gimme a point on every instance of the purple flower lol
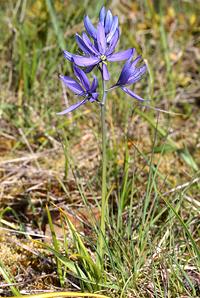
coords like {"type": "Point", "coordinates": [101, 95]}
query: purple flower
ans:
{"type": "Point", "coordinates": [109, 23]}
{"type": "Point", "coordinates": [81, 88]}
{"type": "Point", "coordinates": [100, 53]}
{"type": "Point", "coordinates": [130, 74]}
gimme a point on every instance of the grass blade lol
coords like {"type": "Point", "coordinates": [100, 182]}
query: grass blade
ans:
{"type": "Point", "coordinates": [8, 279]}
{"type": "Point", "coordinates": [58, 32]}
{"type": "Point", "coordinates": [196, 249]}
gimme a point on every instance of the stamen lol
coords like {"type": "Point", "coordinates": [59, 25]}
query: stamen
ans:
{"type": "Point", "coordinates": [103, 58]}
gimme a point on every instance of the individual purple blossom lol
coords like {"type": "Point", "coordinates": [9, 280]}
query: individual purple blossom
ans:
{"type": "Point", "coordinates": [109, 22]}
{"type": "Point", "coordinates": [130, 74]}
{"type": "Point", "coordinates": [82, 88]}
{"type": "Point", "coordinates": [99, 54]}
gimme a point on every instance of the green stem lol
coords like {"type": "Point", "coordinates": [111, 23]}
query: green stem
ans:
{"type": "Point", "coordinates": [104, 170]}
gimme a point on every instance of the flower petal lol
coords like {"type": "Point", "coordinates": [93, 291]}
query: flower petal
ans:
{"type": "Point", "coordinates": [72, 84]}
{"type": "Point", "coordinates": [120, 55]}
{"type": "Point", "coordinates": [94, 97]}
{"type": "Point", "coordinates": [94, 84]}
{"type": "Point", "coordinates": [128, 65]}
{"type": "Point", "coordinates": [89, 69]}
{"type": "Point", "coordinates": [139, 72]}
{"type": "Point", "coordinates": [101, 39]}
{"type": "Point", "coordinates": [132, 94]}
{"type": "Point", "coordinates": [79, 73]}
{"type": "Point", "coordinates": [106, 75]}
{"type": "Point", "coordinates": [108, 21]}
{"type": "Point", "coordinates": [133, 67]}
{"type": "Point", "coordinates": [113, 43]}
{"type": "Point", "coordinates": [81, 44]}
{"type": "Point", "coordinates": [85, 61]}
{"type": "Point", "coordinates": [136, 60]}
{"type": "Point", "coordinates": [68, 56]}
{"type": "Point", "coordinates": [73, 107]}
{"type": "Point", "coordinates": [92, 31]}
{"type": "Point", "coordinates": [88, 43]}
{"type": "Point", "coordinates": [126, 71]}
{"type": "Point", "coordinates": [114, 27]}
{"type": "Point", "coordinates": [102, 15]}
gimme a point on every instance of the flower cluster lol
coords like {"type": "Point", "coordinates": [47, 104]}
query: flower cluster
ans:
{"type": "Point", "coordinates": [98, 50]}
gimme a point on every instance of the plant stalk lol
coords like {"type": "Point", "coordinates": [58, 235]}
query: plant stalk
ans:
{"type": "Point", "coordinates": [104, 172]}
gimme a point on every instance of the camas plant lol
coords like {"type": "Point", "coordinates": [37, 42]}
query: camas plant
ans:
{"type": "Point", "coordinates": [98, 48]}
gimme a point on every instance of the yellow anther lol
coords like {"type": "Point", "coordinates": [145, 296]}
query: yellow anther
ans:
{"type": "Point", "coordinates": [103, 58]}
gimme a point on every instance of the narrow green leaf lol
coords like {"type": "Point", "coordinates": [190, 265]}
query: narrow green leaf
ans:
{"type": "Point", "coordinates": [58, 32]}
